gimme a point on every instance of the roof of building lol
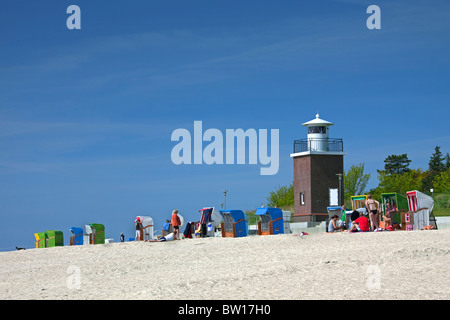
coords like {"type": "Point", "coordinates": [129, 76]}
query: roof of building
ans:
{"type": "Point", "coordinates": [317, 121]}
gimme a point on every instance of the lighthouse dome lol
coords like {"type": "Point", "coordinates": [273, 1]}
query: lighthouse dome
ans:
{"type": "Point", "coordinates": [317, 122]}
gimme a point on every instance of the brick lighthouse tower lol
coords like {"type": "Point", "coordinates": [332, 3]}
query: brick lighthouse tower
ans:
{"type": "Point", "coordinates": [318, 172]}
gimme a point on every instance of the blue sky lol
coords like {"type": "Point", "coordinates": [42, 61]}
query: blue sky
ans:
{"type": "Point", "coordinates": [86, 115]}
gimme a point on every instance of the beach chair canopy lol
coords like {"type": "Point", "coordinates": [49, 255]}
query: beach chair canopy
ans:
{"type": "Point", "coordinates": [76, 231]}
{"type": "Point", "coordinates": [145, 220]}
{"type": "Point", "coordinates": [418, 200]}
{"type": "Point", "coordinates": [358, 201]}
{"type": "Point", "coordinates": [274, 213]}
{"type": "Point", "coordinates": [395, 199]}
{"type": "Point", "coordinates": [335, 211]}
{"type": "Point", "coordinates": [237, 215]}
{"type": "Point", "coordinates": [97, 227]}
{"type": "Point", "coordinates": [206, 215]}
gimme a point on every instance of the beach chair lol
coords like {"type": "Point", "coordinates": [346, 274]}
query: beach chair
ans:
{"type": "Point", "coordinates": [96, 233]}
{"type": "Point", "coordinates": [396, 200]}
{"type": "Point", "coordinates": [55, 238]}
{"type": "Point", "coordinates": [421, 207]}
{"type": "Point", "coordinates": [235, 223]}
{"type": "Point", "coordinates": [271, 221]}
{"type": "Point", "coordinates": [147, 232]}
{"type": "Point", "coordinates": [287, 221]}
{"type": "Point", "coordinates": [77, 236]}
{"type": "Point", "coordinates": [41, 239]}
{"type": "Point", "coordinates": [209, 217]}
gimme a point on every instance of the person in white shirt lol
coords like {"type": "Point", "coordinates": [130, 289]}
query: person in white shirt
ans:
{"type": "Point", "coordinates": [169, 237]}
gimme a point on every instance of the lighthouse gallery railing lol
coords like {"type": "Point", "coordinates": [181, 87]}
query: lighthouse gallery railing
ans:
{"type": "Point", "coordinates": [319, 145]}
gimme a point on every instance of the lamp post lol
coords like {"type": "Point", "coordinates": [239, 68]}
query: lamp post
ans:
{"type": "Point", "coordinates": [225, 199]}
{"type": "Point", "coordinates": [340, 187]}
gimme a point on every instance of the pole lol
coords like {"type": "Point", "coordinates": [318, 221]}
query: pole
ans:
{"type": "Point", "coordinates": [225, 199]}
{"type": "Point", "coordinates": [340, 187]}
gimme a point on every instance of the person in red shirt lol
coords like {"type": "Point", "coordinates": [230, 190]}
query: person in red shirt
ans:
{"type": "Point", "coordinates": [176, 222]}
{"type": "Point", "coordinates": [360, 225]}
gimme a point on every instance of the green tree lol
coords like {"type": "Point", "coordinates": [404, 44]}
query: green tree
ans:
{"type": "Point", "coordinates": [282, 197]}
{"type": "Point", "coordinates": [441, 182]}
{"type": "Point", "coordinates": [436, 165]}
{"type": "Point", "coordinates": [447, 161]}
{"type": "Point", "coordinates": [376, 192]}
{"type": "Point", "coordinates": [397, 164]}
{"type": "Point", "coordinates": [355, 181]}
{"type": "Point", "coordinates": [400, 183]}
{"type": "Point", "coordinates": [252, 218]}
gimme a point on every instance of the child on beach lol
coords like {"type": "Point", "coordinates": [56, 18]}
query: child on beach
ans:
{"type": "Point", "coordinates": [360, 225]}
{"type": "Point", "coordinates": [166, 227]}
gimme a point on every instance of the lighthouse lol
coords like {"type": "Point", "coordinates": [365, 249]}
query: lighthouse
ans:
{"type": "Point", "coordinates": [318, 172]}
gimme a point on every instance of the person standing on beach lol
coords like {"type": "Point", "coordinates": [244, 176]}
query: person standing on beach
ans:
{"type": "Point", "coordinates": [138, 229]}
{"type": "Point", "coordinates": [372, 206]}
{"type": "Point", "coordinates": [176, 222]}
{"type": "Point", "coordinates": [122, 237]}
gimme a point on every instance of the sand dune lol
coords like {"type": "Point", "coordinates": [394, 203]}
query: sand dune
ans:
{"type": "Point", "coordinates": [384, 265]}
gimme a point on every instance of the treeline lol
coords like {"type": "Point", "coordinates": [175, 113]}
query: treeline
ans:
{"type": "Point", "coordinates": [396, 177]}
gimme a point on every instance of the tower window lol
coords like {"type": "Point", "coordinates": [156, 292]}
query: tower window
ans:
{"type": "Point", "coordinates": [302, 198]}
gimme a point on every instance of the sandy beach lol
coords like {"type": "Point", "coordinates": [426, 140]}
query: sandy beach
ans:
{"type": "Point", "coordinates": [383, 265]}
